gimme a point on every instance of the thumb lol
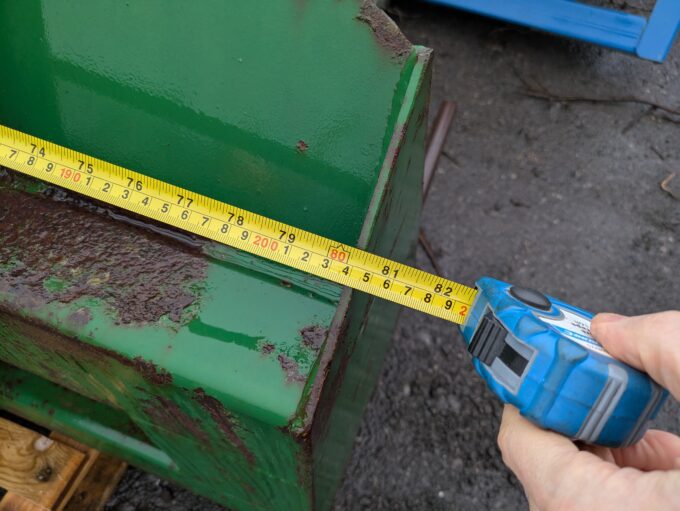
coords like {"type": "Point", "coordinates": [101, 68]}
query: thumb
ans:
{"type": "Point", "coordinates": [650, 343]}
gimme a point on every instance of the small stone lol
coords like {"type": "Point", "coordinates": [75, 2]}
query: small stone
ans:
{"type": "Point", "coordinates": [454, 404]}
{"type": "Point", "coordinates": [425, 337]}
{"type": "Point", "coordinates": [43, 443]}
{"type": "Point", "coordinates": [440, 494]}
{"type": "Point", "coordinates": [442, 404]}
{"type": "Point", "coordinates": [554, 111]}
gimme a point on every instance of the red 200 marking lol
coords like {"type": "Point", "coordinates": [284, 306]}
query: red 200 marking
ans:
{"type": "Point", "coordinates": [67, 173]}
{"type": "Point", "coordinates": [264, 242]}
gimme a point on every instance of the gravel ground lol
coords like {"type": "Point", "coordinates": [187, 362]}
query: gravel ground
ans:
{"type": "Point", "coordinates": [563, 196]}
{"type": "Point", "coordinates": [560, 196]}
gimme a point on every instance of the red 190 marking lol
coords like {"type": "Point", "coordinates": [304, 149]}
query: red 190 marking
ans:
{"type": "Point", "coordinates": [67, 173]}
{"type": "Point", "coordinates": [264, 242]}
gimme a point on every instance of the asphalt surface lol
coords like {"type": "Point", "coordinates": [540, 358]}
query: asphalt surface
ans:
{"type": "Point", "coordinates": [560, 195]}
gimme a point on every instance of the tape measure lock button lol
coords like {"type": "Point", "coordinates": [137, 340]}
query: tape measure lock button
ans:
{"type": "Point", "coordinates": [531, 297]}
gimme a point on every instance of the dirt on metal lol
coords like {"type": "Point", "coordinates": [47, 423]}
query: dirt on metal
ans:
{"type": "Point", "coordinates": [53, 250]}
{"type": "Point", "coordinates": [385, 30]}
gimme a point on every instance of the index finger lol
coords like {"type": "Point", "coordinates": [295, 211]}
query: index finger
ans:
{"type": "Point", "coordinates": [650, 342]}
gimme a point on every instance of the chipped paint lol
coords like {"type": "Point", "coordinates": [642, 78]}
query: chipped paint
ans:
{"type": "Point", "coordinates": [140, 275]}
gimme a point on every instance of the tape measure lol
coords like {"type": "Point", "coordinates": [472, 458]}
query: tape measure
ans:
{"type": "Point", "coordinates": [234, 226]}
{"type": "Point", "coordinates": [533, 351]}
{"type": "Point", "coordinates": [536, 352]}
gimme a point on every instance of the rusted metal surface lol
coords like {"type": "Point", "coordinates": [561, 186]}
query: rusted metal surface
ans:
{"type": "Point", "coordinates": [57, 251]}
{"type": "Point", "coordinates": [386, 31]}
{"type": "Point", "coordinates": [171, 416]}
{"type": "Point", "coordinates": [313, 336]}
{"type": "Point", "coordinates": [246, 378]}
{"type": "Point", "coordinates": [224, 421]}
{"type": "Point", "coordinates": [435, 142]}
{"type": "Point", "coordinates": [360, 333]}
{"type": "Point", "coordinates": [427, 247]}
{"type": "Point", "coordinates": [291, 369]}
{"type": "Point", "coordinates": [69, 353]}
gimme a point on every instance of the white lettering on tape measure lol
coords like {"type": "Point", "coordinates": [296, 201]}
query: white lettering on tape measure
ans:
{"type": "Point", "coordinates": [576, 328]}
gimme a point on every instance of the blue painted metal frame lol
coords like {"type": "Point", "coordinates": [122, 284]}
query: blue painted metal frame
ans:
{"type": "Point", "coordinates": [647, 38]}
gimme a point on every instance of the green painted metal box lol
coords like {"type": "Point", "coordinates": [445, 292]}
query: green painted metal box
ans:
{"type": "Point", "coordinates": [233, 376]}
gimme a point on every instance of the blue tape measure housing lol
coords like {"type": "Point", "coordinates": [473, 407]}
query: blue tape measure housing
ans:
{"type": "Point", "coordinates": [536, 353]}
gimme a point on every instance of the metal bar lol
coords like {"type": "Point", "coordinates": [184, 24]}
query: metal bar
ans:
{"type": "Point", "coordinates": [425, 243]}
{"type": "Point", "coordinates": [92, 423]}
{"type": "Point", "coordinates": [662, 29]}
{"type": "Point", "coordinates": [435, 142]}
{"type": "Point", "coordinates": [605, 27]}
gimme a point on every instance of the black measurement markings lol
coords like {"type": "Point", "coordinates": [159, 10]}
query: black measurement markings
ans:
{"type": "Point", "coordinates": [446, 288]}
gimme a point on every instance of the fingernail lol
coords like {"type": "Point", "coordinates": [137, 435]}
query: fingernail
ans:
{"type": "Point", "coordinates": [602, 321]}
{"type": "Point", "coordinates": [608, 317]}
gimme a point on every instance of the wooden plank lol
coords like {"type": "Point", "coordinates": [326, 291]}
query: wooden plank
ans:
{"type": "Point", "coordinates": [91, 456]}
{"type": "Point", "coordinates": [98, 485]}
{"type": "Point", "coordinates": [16, 502]}
{"type": "Point", "coordinates": [34, 466]}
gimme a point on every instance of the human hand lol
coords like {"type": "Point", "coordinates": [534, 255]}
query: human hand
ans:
{"type": "Point", "coordinates": [557, 475]}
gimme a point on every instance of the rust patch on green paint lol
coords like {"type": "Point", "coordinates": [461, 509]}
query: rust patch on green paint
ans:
{"type": "Point", "coordinates": [167, 414]}
{"type": "Point", "coordinates": [75, 352]}
{"type": "Point", "coordinates": [53, 250]}
{"type": "Point", "coordinates": [313, 336]}
{"type": "Point", "coordinates": [267, 348]}
{"type": "Point", "coordinates": [224, 421]}
{"type": "Point", "coordinates": [149, 371]}
{"type": "Point", "coordinates": [302, 146]}
{"type": "Point", "coordinates": [80, 317]}
{"type": "Point", "coordinates": [386, 31]}
{"type": "Point", "coordinates": [291, 369]}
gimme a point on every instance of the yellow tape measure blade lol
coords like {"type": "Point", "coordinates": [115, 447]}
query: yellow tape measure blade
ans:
{"type": "Point", "coordinates": [234, 226]}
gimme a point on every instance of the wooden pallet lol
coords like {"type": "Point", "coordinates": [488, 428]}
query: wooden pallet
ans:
{"type": "Point", "coordinates": [53, 473]}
